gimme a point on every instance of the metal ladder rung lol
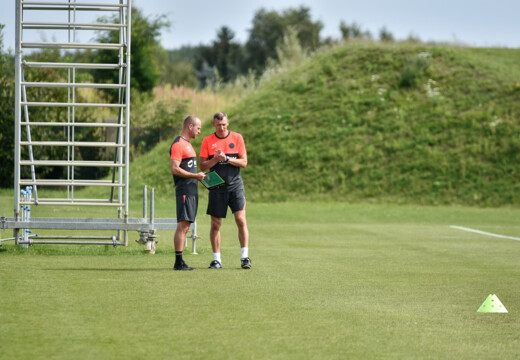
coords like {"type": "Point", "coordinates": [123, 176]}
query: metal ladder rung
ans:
{"type": "Point", "coordinates": [27, 5]}
{"type": "Point", "coordinates": [34, 25]}
{"type": "Point", "coordinates": [34, 103]}
{"type": "Point", "coordinates": [62, 45]}
{"type": "Point", "coordinates": [67, 202]}
{"type": "Point", "coordinates": [79, 200]}
{"type": "Point", "coordinates": [56, 237]}
{"type": "Point", "coordinates": [66, 242]}
{"type": "Point", "coordinates": [61, 182]}
{"type": "Point", "coordinates": [75, 124]}
{"type": "Point", "coordinates": [77, 85]}
{"type": "Point", "coordinates": [69, 8]}
{"type": "Point", "coordinates": [73, 5]}
{"type": "Point", "coordinates": [71, 163]}
{"type": "Point", "coordinates": [61, 65]}
{"type": "Point", "coordinates": [56, 3]}
{"type": "Point", "coordinates": [72, 143]}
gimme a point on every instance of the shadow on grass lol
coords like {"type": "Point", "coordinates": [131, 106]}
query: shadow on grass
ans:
{"type": "Point", "coordinates": [110, 269]}
{"type": "Point", "coordinates": [155, 269]}
{"type": "Point", "coordinates": [82, 250]}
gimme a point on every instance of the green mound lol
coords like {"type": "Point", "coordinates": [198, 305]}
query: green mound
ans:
{"type": "Point", "coordinates": [400, 122]}
{"type": "Point", "coordinates": [385, 123]}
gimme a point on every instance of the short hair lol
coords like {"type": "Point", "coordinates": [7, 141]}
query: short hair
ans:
{"type": "Point", "coordinates": [190, 120]}
{"type": "Point", "coordinates": [220, 116]}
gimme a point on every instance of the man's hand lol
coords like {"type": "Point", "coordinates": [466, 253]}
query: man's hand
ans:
{"type": "Point", "coordinates": [200, 176]}
{"type": "Point", "coordinates": [220, 155]}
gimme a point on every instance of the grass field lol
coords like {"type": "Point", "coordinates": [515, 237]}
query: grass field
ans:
{"type": "Point", "coordinates": [329, 281]}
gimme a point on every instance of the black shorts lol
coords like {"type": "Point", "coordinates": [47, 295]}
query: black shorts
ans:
{"type": "Point", "coordinates": [218, 202]}
{"type": "Point", "coordinates": [187, 207]}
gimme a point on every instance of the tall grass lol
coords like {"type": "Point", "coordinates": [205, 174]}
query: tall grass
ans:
{"type": "Point", "coordinates": [202, 103]}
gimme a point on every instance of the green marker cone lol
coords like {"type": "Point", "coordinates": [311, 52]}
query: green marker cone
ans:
{"type": "Point", "coordinates": [492, 305]}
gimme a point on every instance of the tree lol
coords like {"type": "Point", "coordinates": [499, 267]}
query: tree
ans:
{"type": "Point", "coordinates": [179, 69]}
{"type": "Point", "coordinates": [179, 73]}
{"type": "Point", "coordinates": [145, 50]}
{"type": "Point", "coordinates": [289, 50]}
{"type": "Point", "coordinates": [224, 56]}
{"type": "Point", "coordinates": [353, 31]}
{"type": "Point", "coordinates": [385, 35]}
{"type": "Point", "coordinates": [228, 54]}
{"type": "Point", "coordinates": [269, 28]}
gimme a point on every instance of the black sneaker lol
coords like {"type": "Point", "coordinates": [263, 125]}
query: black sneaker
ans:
{"type": "Point", "coordinates": [215, 264]}
{"type": "Point", "coordinates": [183, 267]}
{"type": "Point", "coordinates": [246, 263]}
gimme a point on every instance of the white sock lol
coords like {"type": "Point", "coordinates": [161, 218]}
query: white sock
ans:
{"type": "Point", "coordinates": [245, 251]}
{"type": "Point", "coordinates": [216, 256]}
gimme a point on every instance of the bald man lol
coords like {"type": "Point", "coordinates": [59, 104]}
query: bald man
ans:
{"type": "Point", "coordinates": [183, 166]}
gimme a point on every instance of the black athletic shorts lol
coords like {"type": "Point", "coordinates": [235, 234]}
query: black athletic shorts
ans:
{"type": "Point", "coordinates": [187, 207]}
{"type": "Point", "coordinates": [218, 202]}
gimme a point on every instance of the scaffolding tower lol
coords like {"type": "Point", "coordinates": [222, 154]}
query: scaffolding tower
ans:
{"type": "Point", "coordinates": [69, 22]}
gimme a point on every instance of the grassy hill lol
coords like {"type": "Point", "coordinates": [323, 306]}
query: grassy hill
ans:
{"type": "Point", "coordinates": [373, 122]}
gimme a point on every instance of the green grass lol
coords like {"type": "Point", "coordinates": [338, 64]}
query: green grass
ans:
{"type": "Point", "coordinates": [329, 281]}
{"type": "Point", "coordinates": [403, 123]}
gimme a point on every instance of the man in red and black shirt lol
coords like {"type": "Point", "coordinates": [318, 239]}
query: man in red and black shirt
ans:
{"type": "Point", "coordinates": [225, 153]}
{"type": "Point", "coordinates": [183, 166]}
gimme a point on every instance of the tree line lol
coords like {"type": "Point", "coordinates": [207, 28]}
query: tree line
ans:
{"type": "Point", "coordinates": [223, 60]}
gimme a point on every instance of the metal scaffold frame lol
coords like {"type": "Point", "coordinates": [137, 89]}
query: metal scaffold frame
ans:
{"type": "Point", "coordinates": [26, 157]}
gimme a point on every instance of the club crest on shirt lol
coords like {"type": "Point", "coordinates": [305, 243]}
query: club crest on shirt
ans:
{"type": "Point", "coordinates": [231, 146]}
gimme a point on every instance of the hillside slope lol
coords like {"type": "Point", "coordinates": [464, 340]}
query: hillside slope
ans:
{"type": "Point", "coordinates": [393, 123]}
{"type": "Point", "coordinates": [398, 122]}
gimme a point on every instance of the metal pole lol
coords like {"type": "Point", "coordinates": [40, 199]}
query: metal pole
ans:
{"type": "Point", "coordinates": [127, 111]}
{"type": "Point", "coordinates": [194, 238]}
{"type": "Point", "coordinates": [17, 114]}
{"type": "Point", "coordinates": [144, 202]}
{"type": "Point", "coordinates": [28, 130]}
{"type": "Point", "coordinates": [152, 204]}
{"type": "Point", "coordinates": [150, 243]}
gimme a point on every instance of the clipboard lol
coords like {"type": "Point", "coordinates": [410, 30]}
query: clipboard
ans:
{"type": "Point", "coordinates": [212, 180]}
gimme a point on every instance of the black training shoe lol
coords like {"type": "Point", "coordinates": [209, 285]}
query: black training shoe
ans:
{"type": "Point", "coordinates": [183, 267]}
{"type": "Point", "coordinates": [215, 264]}
{"type": "Point", "coordinates": [246, 263]}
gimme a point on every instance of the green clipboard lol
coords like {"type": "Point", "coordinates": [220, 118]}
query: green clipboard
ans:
{"type": "Point", "coordinates": [212, 180]}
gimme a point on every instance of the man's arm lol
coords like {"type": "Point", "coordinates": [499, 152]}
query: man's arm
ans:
{"type": "Point", "coordinates": [240, 161]}
{"type": "Point", "coordinates": [175, 168]}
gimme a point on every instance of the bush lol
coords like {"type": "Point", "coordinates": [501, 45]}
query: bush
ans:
{"type": "Point", "coordinates": [414, 69]}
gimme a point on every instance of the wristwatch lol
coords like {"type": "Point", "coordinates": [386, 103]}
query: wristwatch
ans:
{"type": "Point", "coordinates": [227, 158]}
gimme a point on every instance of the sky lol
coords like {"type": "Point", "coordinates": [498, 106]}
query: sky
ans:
{"type": "Point", "coordinates": [482, 23]}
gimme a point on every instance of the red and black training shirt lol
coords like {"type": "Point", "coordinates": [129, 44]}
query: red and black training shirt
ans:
{"type": "Point", "coordinates": [233, 146]}
{"type": "Point", "coordinates": [182, 150]}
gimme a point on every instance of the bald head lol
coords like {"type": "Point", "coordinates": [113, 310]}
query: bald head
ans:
{"type": "Point", "coordinates": [191, 120]}
{"type": "Point", "coordinates": [191, 128]}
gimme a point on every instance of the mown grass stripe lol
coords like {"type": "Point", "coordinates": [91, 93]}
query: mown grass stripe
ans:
{"type": "Point", "coordinates": [484, 232]}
